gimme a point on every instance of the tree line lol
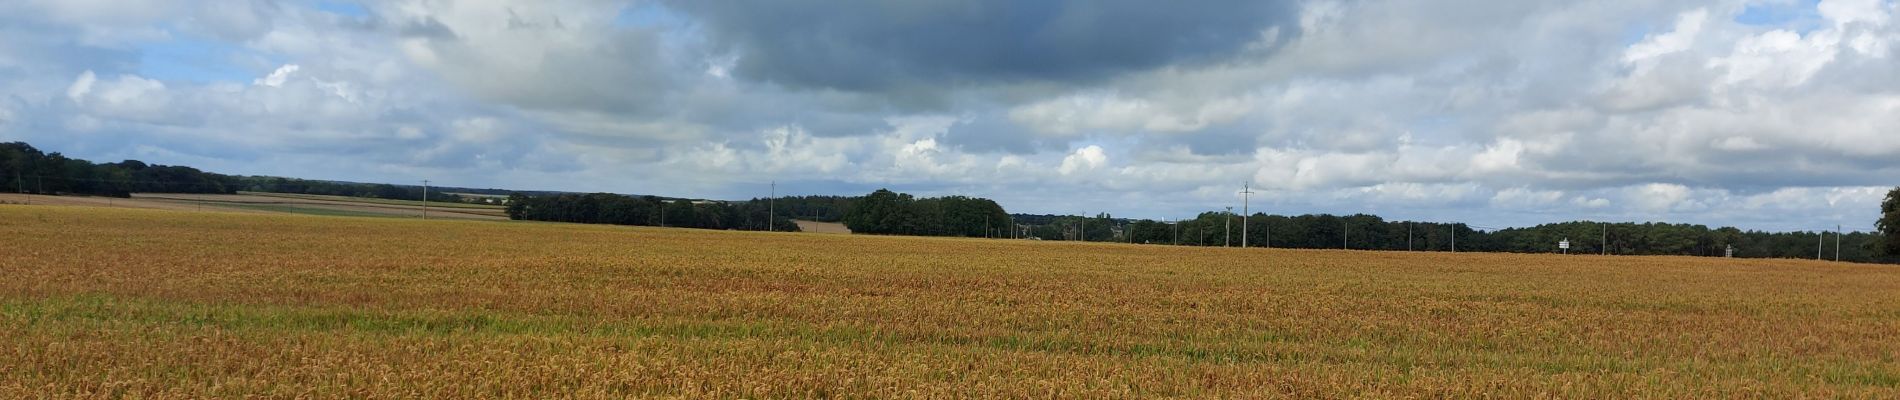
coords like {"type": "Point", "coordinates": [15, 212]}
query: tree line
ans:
{"type": "Point", "coordinates": [884, 212]}
{"type": "Point", "coordinates": [26, 169]}
{"type": "Point", "coordinates": [1371, 232]}
{"type": "Point", "coordinates": [816, 208]}
{"type": "Point", "coordinates": [617, 209]}
{"type": "Point", "coordinates": [274, 184]}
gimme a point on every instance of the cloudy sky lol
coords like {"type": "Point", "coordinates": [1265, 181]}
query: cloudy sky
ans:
{"type": "Point", "coordinates": [1773, 114]}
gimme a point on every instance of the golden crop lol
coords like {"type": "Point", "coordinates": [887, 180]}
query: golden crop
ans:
{"type": "Point", "coordinates": [110, 303]}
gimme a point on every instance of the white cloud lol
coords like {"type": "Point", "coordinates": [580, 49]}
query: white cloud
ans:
{"type": "Point", "coordinates": [1087, 158]}
{"type": "Point", "coordinates": [1688, 25]}
{"type": "Point", "coordinates": [1527, 198]}
{"type": "Point", "coordinates": [1843, 12]}
{"type": "Point", "coordinates": [1658, 197]}
{"type": "Point", "coordinates": [1777, 59]}
{"type": "Point", "coordinates": [1739, 143]}
{"type": "Point", "coordinates": [276, 78]}
{"type": "Point", "coordinates": [792, 149]}
{"type": "Point", "coordinates": [81, 86]}
{"type": "Point", "coordinates": [1501, 156]}
{"type": "Point", "coordinates": [1590, 202]}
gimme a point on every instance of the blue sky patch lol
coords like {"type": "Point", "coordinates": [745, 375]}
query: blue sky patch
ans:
{"type": "Point", "coordinates": [1801, 15]}
{"type": "Point", "coordinates": [349, 8]}
{"type": "Point", "coordinates": [192, 60]}
{"type": "Point", "coordinates": [647, 15]}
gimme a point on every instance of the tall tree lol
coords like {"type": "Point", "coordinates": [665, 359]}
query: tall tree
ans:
{"type": "Point", "coordinates": [877, 213]}
{"type": "Point", "coordinates": [517, 206]}
{"type": "Point", "coordinates": [1890, 224]}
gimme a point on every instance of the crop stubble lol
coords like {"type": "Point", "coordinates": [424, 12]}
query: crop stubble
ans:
{"type": "Point", "coordinates": [121, 302]}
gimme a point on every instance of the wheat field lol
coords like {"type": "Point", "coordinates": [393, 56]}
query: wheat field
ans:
{"type": "Point", "coordinates": [128, 303]}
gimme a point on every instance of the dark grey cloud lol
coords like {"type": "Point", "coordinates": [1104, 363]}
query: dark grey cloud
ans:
{"type": "Point", "coordinates": [894, 46]}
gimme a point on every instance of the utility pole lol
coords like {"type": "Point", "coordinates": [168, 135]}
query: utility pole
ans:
{"type": "Point", "coordinates": [1454, 237]}
{"type": "Point", "coordinates": [1227, 228]}
{"type": "Point", "coordinates": [1177, 232]}
{"type": "Point", "coordinates": [771, 211]}
{"type": "Point", "coordinates": [1818, 243]}
{"type": "Point", "coordinates": [425, 199]}
{"type": "Point", "coordinates": [1082, 227]}
{"type": "Point", "coordinates": [1837, 243]}
{"type": "Point", "coordinates": [1246, 200]}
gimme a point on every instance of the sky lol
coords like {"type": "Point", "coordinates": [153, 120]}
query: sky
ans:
{"type": "Point", "coordinates": [1770, 115]}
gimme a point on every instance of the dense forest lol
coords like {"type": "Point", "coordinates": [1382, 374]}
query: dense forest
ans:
{"type": "Point", "coordinates": [884, 212]}
{"type": "Point", "coordinates": [881, 212]}
{"type": "Point", "coordinates": [1369, 232]}
{"type": "Point", "coordinates": [28, 170]}
{"type": "Point", "coordinates": [608, 208]}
